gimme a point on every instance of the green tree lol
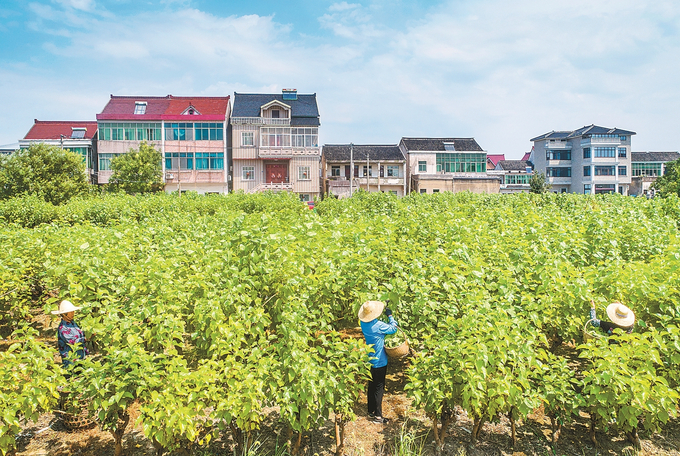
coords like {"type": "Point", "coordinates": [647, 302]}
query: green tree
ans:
{"type": "Point", "coordinates": [538, 183]}
{"type": "Point", "coordinates": [51, 173]}
{"type": "Point", "coordinates": [669, 183]}
{"type": "Point", "coordinates": [138, 171]}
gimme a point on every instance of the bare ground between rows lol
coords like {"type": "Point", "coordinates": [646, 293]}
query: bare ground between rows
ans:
{"type": "Point", "coordinates": [364, 438]}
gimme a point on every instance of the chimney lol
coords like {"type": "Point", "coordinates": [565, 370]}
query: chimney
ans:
{"type": "Point", "coordinates": [289, 94]}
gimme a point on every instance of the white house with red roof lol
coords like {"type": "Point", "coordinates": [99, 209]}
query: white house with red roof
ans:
{"type": "Point", "coordinates": [76, 136]}
{"type": "Point", "coordinates": [190, 133]}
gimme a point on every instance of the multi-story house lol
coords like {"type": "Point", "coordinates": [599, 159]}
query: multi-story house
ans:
{"type": "Point", "coordinates": [646, 167]}
{"type": "Point", "coordinates": [374, 168]}
{"type": "Point", "coordinates": [79, 137]}
{"type": "Point", "coordinates": [190, 133]}
{"type": "Point", "coordinates": [274, 143]}
{"type": "Point", "coordinates": [447, 165]}
{"type": "Point", "coordinates": [591, 159]}
{"type": "Point", "coordinates": [515, 175]}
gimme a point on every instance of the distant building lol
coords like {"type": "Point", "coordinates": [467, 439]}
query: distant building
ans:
{"type": "Point", "coordinates": [515, 175]}
{"type": "Point", "coordinates": [190, 133]}
{"type": "Point", "coordinates": [375, 168]}
{"type": "Point", "coordinates": [591, 159]}
{"type": "Point", "coordinates": [646, 167]}
{"type": "Point", "coordinates": [493, 159]}
{"type": "Point", "coordinates": [274, 143]}
{"type": "Point", "coordinates": [447, 165]}
{"type": "Point", "coordinates": [7, 149]}
{"type": "Point", "coordinates": [76, 136]}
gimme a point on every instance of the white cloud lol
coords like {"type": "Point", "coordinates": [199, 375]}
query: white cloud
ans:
{"type": "Point", "coordinates": [343, 6]}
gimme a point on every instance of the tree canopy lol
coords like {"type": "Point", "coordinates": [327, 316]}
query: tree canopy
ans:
{"type": "Point", "coordinates": [669, 183]}
{"type": "Point", "coordinates": [538, 183]}
{"type": "Point", "coordinates": [53, 174]}
{"type": "Point", "coordinates": [138, 171]}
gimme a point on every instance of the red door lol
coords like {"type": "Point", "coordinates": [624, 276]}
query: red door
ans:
{"type": "Point", "coordinates": [276, 173]}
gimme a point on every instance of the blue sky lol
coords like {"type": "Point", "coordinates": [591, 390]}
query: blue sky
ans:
{"type": "Point", "coordinates": [502, 72]}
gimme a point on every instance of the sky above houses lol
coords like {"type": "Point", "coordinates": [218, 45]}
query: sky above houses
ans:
{"type": "Point", "coordinates": [500, 71]}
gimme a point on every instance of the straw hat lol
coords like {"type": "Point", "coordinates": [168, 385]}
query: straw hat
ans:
{"type": "Point", "coordinates": [620, 314]}
{"type": "Point", "coordinates": [370, 310]}
{"type": "Point", "coordinates": [65, 307]}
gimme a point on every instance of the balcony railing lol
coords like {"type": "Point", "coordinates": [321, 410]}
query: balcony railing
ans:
{"type": "Point", "coordinates": [259, 121]}
{"type": "Point", "coordinates": [274, 186]}
{"type": "Point", "coordinates": [585, 142]}
{"type": "Point", "coordinates": [264, 152]}
{"type": "Point", "coordinates": [558, 145]}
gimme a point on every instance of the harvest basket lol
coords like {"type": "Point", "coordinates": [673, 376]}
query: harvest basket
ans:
{"type": "Point", "coordinates": [400, 350]}
{"type": "Point", "coordinates": [589, 332]}
{"type": "Point", "coordinates": [77, 416]}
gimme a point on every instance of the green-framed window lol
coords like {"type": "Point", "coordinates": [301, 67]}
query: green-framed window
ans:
{"type": "Point", "coordinates": [646, 169]}
{"type": "Point", "coordinates": [461, 163]}
{"type": "Point", "coordinates": [209, 160]}
{"type": "Point", "coordinates": [179, 160]}
{"type": "Point", "coordinates": [129, 131]}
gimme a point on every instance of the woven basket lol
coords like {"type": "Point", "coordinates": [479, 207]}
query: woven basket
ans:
{"type": "Point", "coordinates": [78, 419]}
{"type": "Point", "coordinates": [589, 333]}
{"type": "Point", "coordinates": [400, 350]}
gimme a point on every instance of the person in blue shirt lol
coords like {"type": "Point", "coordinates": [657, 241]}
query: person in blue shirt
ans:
{"type": "Point", "coordinates": [69, 334]}
{"type": "Point", "coordinates": [620, 317]}
{"type": "Point", "coordinates": [374, 333]}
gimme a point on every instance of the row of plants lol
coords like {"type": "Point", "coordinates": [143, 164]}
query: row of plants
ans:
{"type": "Point", "coordinates": [208, 310]}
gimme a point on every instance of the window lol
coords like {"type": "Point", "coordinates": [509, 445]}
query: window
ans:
{"type": "Point", "coordinates": [461, 163]}
{"type": "Point", "coordinates": [275, 113]}
{"type": "Point", "coordinates": [137, 131]}
{"type": "Point", "coordinates": [586, 189]}
{"type": "Point", "coordinates": [586, 152]}
{"type": "Point", "coordinates": [605, 152]}
{"type": "Point", "coordinates": [558, 155]}
{"type": "Point", "coordinates": [622, 138]}
{"type": "Point", "coordinates": [646, 169]}
{"type": "Point", "coordinates": [335, 171]}
{"type": "Point", "coordinates": [179, 160]}
{"type": "Point", "coordinates": [105, 161]}
{"type": "Point", "coordinates": [393, 192]}
{"type": "Point", "coordinates": [208, 131]}
{"type": "Point", "coordinates": [78, 133]}
{"type": "Point", "coordinates": [435, 190]}
{"type": "Point", "coordinates": [247, 138]}
{"type": "Point", "coordinates": [305, 197]}
{"type": "Point", "coordinates": [393, 170]}
{"type": "Point", "coordinates": [423, 190]}
{"type": "Point", "coordinates": [605, 171]}
{"type": "Point", "coordinates": [367, 171]}
{"type": "Point", "coordinates": [516, 179]}
{"type": "Point", "coordinates": [422, 166]}
{"type": "Point", "coordinates": [275, 137]}
{"type": "Point", "coordinates": [622, 152]}
{"type": "Point", "coordinates": [304, 173]}
{"type": "Point", "coordinates": [83, 152]}
{"type": "Point", "coordinates": [605, 188]}
{"type": "Point", "coordinates": [558, 172]}
{"type": "Point", "coordinates": [586, 171]}
{"type": "Point", "coordinates": [209, 160]}
{"type": "Point", "coordinates": [304, 137]}
{"type": "Point", "coordinates": [622, 171]}
{"type": "Point", "coordinates": [248, 173]}
{"type": "Point", "coordinates": [140, 107]}
{"type": "Point", "coordinates": [179, 132]}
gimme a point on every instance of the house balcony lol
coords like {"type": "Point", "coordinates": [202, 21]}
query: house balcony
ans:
{"type": "Point", "coordinates": [363, 181]}
{"type": "Point", "coordinates": [560, 180]}
{"type": "Point", "coordinates": [260, 121]}
{"type": "Point", "coordinates": [600, 141]}
{"type": "Point", "coordinates": [558, 145]}
{"type": "Point", "coordinates": [273, 187]}
{"type": "Point", "coordinates": [264, 152]}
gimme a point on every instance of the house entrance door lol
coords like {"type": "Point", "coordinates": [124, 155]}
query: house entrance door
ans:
{"type": "Point", "coordinates": [276, 173]}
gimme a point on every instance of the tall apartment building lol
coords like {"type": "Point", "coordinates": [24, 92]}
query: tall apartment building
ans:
{"type": "Point", "coordinates": [592, 159]}
{"type": "Point", "coordinates": [190, 133]}
{"type": "Point", "coordinates": [274, 143]}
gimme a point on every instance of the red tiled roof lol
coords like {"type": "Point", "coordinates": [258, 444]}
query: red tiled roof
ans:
{"type": "Point", "coordinates": [495, 158]}
{"type": "Point", "coordinates": [53, 129]}
{"type": "Point", "coordinates": [526, 156]}
{"type": "Point", "coordinates": [165, 108]}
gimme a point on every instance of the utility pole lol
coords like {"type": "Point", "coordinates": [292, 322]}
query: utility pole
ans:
{"type": "Point", "coordinates": [351, 167]}
{"type": "Point", "coordinates": [368, 171]}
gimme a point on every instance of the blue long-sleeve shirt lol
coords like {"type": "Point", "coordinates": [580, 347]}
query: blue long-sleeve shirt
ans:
{"type": "Point", "coordinates": [374, 334]}
{"type": "Point", "coordinates": [68, 334]}
{"type": "Point", "coordinates": [605, 325]}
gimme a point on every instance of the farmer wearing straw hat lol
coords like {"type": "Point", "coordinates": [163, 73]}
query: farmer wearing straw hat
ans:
{"type": "Point", "coordinates": [374, 333]}
{"type": "Point", "coordinates": [69, 334]}
{"type": "Point", "coordinates": [621, 317]}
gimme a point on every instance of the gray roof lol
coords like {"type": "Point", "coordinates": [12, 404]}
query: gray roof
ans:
{"type": "Point", "coordinates": [586, 130]}
{"type": "Point", "coordinates": [304, 110]}
{"type": "Point", "coordinates": [341, 152]}
{"type": "Point", "coordinates": [654, 157]}
{"type": "Point", "coordinates": [437, 144]}
{"type": "Point", "coordinates": [514, 165]}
